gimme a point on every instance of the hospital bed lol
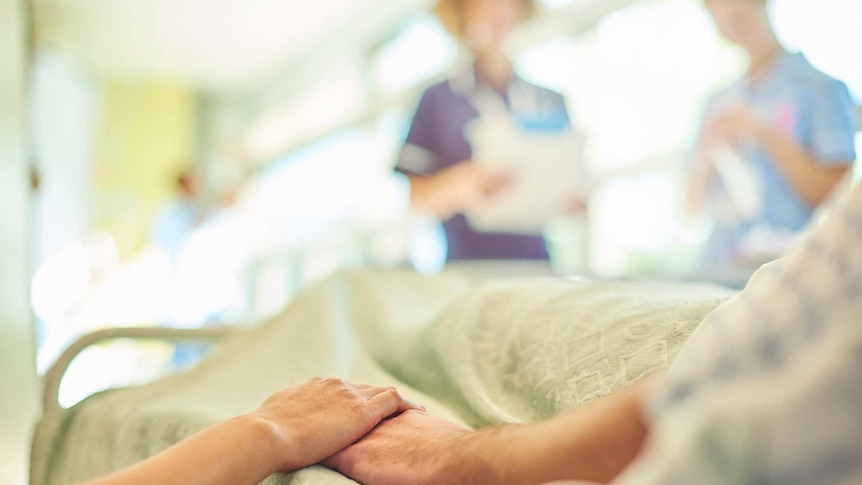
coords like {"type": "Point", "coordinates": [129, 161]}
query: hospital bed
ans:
{"type": "Point", "coordinates": [474, 350]}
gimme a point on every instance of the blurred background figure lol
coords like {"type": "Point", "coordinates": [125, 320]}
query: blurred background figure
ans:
{"type": "Point", "coordinates": [176, 222]}
{"type": "Point", "coordinates": [773, 145]}
{"type": "Point", "coordinates": [175, 231]}
{"type": "Point", "coordinates": [438, 155]}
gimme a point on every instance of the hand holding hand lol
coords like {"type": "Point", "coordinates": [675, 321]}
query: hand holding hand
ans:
{"type": "Point", "coordinates": [411, 448]}
{"type": "Point", "coordinates": [320, 417]}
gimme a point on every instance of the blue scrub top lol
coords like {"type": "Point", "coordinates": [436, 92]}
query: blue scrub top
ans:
{"type": "Point", "coordinates": [437, 140]}
{"type": "Point", "coordinates": [810, 107]}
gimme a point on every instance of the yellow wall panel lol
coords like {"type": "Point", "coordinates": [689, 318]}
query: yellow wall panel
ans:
{"type": "Point", "coordinates": [146, 138]}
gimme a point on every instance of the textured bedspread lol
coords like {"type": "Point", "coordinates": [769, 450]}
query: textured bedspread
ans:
{"type": "Point", "coordinates": [479, 353]}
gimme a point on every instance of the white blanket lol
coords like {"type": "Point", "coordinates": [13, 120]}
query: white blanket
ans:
{"type": "Point", "coordinates": [506, 351]}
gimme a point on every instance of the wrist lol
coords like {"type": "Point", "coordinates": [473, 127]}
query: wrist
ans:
{"type": "Point", "coordinates": [427, 196]}
{"type": "Point", "coordinates": [274, 444]}
{"type": "Point", "coordinates": [418, 192]}
{"type": "Point", "coordinates": [489, 456]}
{"type": "Point", "coordinates": [461, 460]}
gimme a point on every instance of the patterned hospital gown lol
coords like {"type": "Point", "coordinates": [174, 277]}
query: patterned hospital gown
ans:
{"type": "Point", "coordinates": [769, 389]}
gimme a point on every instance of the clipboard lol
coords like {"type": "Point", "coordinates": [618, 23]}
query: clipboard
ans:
{"type": "Point", "coordinates": [546, 170]}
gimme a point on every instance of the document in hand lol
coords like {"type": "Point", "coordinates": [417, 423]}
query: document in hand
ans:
{"type": "Point", "coordinates": [740, 180]}
{"type": "Point", "coordinates": [545, 169]}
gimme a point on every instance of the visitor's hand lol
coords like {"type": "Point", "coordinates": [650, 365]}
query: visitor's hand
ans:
{"type": "Point", "coordinates": [414, 448]}
{"type": "Point", "coordinates": [316, 419]}
{"type": "Point", "coordinates": [456, 189]}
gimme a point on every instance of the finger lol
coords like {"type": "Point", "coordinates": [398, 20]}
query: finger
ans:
{"type": "Point", "coordinates": [371, 391]}
{"type": "Point", "coordinates": [351, 385]}
{"type": "Point", "coordinates": [390, 402]}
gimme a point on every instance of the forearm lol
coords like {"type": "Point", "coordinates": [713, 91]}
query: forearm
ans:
{"type": "Point", "coordinates": [242, 450]}
{"type": "Point", "coordinates": [594, 443]}
{"type": "Point", "coordinates": [811, 180]}
{"type": "Point", "coordinates": [701, 178]}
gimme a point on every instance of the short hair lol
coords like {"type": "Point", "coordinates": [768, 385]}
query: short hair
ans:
{"type": "Point", "coordinates": [451, 13]}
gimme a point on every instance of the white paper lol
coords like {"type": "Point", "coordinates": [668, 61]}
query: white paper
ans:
{"type": "Point", "coordinates": [741, 181]}
{"type": "Point", "coordinates": [546, 172]}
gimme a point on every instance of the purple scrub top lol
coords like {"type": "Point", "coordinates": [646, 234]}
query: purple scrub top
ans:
{"type": "Point", "coordinates": [437, 140]}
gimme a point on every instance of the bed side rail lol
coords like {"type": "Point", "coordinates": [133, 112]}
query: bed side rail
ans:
{"type": "Point", "coordinates": [54, 377]}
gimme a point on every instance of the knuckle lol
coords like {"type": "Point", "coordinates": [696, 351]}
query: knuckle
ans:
{"type": "Point", "coordinates": [331, 381]}
{"type": "Point", "coordinates": [359, 408]}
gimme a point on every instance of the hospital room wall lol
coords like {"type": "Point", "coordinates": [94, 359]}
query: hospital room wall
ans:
{"type": "Point", "coordinates": [18, 381]}
{"type": "Point", "coordinates": [146, 137]}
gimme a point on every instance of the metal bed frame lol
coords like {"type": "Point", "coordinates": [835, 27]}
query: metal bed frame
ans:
{"type": "Point", "coordinates": [54, 377]}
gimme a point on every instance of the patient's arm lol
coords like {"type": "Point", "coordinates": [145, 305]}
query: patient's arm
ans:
{"type": "Point", "coordinates": [294, 428]}
{"type": "Point", "coordinates": [594, 443]}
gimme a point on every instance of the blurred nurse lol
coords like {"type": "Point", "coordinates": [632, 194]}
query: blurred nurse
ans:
{"type": "Point", "coordinates": [437, 156]}
{"type": "Point", "coordinates": [790, 125]}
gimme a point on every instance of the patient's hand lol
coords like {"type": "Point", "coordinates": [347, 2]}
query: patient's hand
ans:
{"type": "Point", "coordinates": [316, 419]}
{"type": "Point", "coordinates": [414, 448]}
{"type": "Point", "coordinates": [593, 443]}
